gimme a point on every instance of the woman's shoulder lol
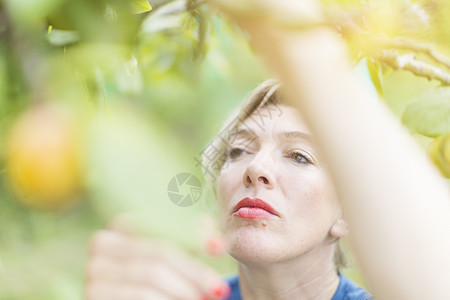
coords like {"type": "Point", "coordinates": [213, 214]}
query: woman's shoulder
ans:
{"type": "Point", "coordinates": [347, 290]}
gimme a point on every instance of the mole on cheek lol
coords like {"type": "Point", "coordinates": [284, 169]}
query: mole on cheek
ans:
{"type": "Point", "coordinates": [264, 224]}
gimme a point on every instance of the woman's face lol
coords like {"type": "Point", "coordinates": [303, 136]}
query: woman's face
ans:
{"type": "Point", "coordinates": [276, 200]}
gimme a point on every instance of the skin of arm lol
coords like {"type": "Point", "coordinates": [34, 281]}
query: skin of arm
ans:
{"type": "Point", "coordinates": [396, 203]}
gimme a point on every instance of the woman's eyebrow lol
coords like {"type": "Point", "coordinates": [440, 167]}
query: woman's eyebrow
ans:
{"type": "Point", "coordinates": [242, 133]}
{"type": "Point", "coordinates": [298, 135]}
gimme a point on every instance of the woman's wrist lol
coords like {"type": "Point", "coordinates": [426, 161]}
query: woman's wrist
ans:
{"type": "Point", "coordinates": [312, 55]}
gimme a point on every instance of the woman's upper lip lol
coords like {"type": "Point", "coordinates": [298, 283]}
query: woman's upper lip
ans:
{"type": "Point", "coordinates": [255, 202]}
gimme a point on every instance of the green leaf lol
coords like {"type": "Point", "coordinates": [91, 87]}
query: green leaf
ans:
{"type": "Point", "coordinates": [374, 68]}
{"type": "Point", "coordinates": [141, 6]}
{"type": "Point", "coordinates": [429, 114]}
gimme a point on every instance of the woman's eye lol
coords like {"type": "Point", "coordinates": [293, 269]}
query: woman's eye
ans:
{"type": "Point", "coordinates": [234, 153]}
{"type": "Point", "coordinates": [299, 157]}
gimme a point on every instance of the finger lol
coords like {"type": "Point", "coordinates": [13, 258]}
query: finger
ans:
{"type": "Point", "coordinates": [159, 274]}
{"type": "Point", "coordinates": [215, 246]}
{"type": "Point", "coordinates": [104, 291]}
{"type": "Point", "coordinates": [102, 268]}
{"type": "Point", "coordinates": [121, 246]}
{"type": "Point", "coordinates": [205, 278]}
{"type": "Point", "coordinates": [154, 273]}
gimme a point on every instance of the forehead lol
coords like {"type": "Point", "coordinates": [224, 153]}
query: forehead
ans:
{"type": "Point", "coordinates": [274, 119]}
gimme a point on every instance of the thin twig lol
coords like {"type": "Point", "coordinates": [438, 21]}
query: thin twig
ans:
{"type": "Point", "coordinates": [408, 62]}
{"type": "Point", "coordinates": [407, 44]}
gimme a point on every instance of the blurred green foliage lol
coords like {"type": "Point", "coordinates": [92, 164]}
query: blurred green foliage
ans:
{"type": "Point", "coordinates": [145, 93]}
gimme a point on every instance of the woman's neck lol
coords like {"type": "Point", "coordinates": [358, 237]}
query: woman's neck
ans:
{"type": "Point", "coordinates": [311, 276]}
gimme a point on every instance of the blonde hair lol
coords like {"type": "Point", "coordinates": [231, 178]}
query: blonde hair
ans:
{"type": "Point", "coordinates": [267, 93]}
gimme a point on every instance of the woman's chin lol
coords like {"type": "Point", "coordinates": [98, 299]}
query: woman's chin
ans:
{"type": "Point", "coordinates": [250, 245]}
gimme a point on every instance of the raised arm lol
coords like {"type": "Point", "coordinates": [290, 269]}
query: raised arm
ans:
{"type": "Point", "coordinates": [396, 203]}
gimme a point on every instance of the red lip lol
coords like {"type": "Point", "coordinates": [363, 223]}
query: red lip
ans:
{"type": "Point", "coordinates": [254, 203]}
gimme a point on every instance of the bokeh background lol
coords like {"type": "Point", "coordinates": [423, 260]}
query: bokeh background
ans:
{"type": "Point", "coordinates": [104, 102]}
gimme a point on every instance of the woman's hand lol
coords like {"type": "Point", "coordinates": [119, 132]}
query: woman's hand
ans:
{"type": "Point", "coordinates": [287, 12]}
{"type": "Point", "coordinates": [125, 267]}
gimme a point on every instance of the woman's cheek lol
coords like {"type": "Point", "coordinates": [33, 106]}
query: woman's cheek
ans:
{"type": "Point", "coordinates": [306, 195]}
{"type": "Point", "coordinates": [226, 186]}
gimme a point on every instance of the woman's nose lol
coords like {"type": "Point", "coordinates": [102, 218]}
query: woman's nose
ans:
{"type": "Point", "coordinates": [259, 172]}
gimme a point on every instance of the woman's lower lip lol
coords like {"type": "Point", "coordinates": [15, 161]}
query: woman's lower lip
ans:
{"type": "Point", "coordinates": [252, 213]}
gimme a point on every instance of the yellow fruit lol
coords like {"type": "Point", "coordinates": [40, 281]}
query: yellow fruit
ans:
{"type": "Point", "coordinates": [440, 153]}
{"type": "Point", "coordinates": [42, 158]}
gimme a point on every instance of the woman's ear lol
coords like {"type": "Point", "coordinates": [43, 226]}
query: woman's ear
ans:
{"type": "Point", "coordinates": [339, 228]}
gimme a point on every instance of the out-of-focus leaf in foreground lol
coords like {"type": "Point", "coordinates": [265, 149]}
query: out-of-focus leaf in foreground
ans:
{"type": "Point", "coordinates": [429, 114]}
{"type": "Point", "coordinates": [129, 166]}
